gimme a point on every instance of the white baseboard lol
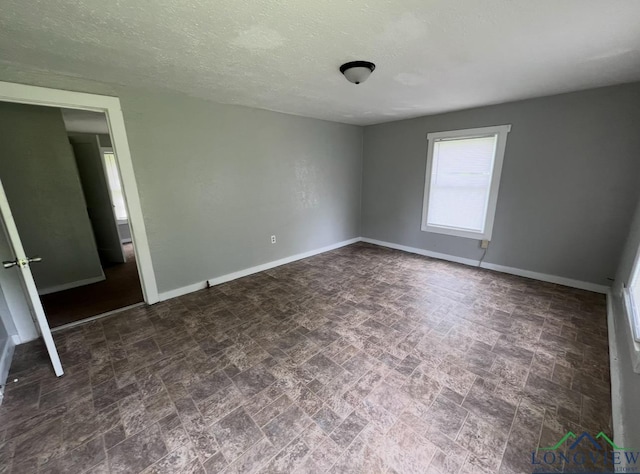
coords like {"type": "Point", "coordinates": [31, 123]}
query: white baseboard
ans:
{"type": "Point", "coordinates": [6, 355]}
{"type": "Point", "coordinates": [68, 286]}
{"type": "Point", "coordinates": [184, 290]}
{"type": "Point", "coordinates": [583, 285]}
{"type": "Point", "coordinates": [250, 271]}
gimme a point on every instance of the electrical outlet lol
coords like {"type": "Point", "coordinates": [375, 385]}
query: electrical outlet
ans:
{"type": "Point", "coordinates": [484, 244]}
{"type": "Point", "coordinates": [273, 239]}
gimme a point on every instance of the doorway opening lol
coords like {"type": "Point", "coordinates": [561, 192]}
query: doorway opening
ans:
{"type": "Point", "coordinates": [22, 315]}
{"type": "Point", "coordinates": [70, 210]}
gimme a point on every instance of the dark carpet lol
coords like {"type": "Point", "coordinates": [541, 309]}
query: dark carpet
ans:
{"type": "Point", "coordinates": [121, 288]}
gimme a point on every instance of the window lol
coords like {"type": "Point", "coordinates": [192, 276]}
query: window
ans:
{"type": "Point", "coordinates": [461, 186]}
{"type": "Point", "coordinates": [632, 298]}
{"type": "Point", "coordinates": [115, 186]}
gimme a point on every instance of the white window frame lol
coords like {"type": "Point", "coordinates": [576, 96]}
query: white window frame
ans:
{"type": "Point", "coordinates": [632, 306]}
{"type": "Point", "coordinates": [501, 132]}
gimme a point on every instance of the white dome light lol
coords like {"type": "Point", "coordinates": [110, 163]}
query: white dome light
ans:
{"type": "Point", "coordinates": [357, 71]}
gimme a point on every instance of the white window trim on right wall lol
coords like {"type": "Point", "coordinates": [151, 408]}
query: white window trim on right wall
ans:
{"type": "Point", "coordinates": [632, 306]}
{"type": "Point", "coordinates": [501, 132]}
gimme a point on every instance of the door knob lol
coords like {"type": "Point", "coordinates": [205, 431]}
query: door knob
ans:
{"type": "Point", "coordinates": [20, 262]}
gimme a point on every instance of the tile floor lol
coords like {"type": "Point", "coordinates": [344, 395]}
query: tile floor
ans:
{"type": "Point", "coordinates": [358, 360]}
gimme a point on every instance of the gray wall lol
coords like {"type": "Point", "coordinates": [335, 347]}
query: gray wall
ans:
{"type": "Point", "coordinates": [125, 232]}
{"type": "Point", "coordinates": [567, 192]}
{"type": "Point", "coordinates": [39, 175]}
{"type": "Point", "coordinates": [216, 181]}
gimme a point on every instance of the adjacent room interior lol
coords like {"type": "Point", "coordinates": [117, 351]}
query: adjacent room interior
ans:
{"type": "Point", "coordinates": [270, 237]}
{"type": "Point", "coordinates": [69, 210]}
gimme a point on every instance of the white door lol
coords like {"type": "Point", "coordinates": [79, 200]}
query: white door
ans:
{"type": "Point", "coordinates": [19, 265]}
{"type": "Point", "coordinates": [94, 182]}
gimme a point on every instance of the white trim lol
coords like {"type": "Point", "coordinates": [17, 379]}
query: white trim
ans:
{"type": "Point", "coordinates": [426, 253]}
{"type": "Point", "coordinates": [20, 93]}
{"type": "Point", "coordinates": [93, 318]}
{"type": "Point", "coordinates": [72, 284]}
{"type": "Point", "coordinates": [6, 355]}
{"type": "Point", "coordinates": [469, 132]}
{"type": "Point", "coordinates": [250, 271]}
{"type": "Point", "coordinates": [631, 309]}
{"type": "Point", "coordinates": [500, 131]}
{"type": "Point", "coordinates": [631, 306]}
{"type": "Point", "coordinates": [615, 371]}
{"type": "Point", "coordinates": [583, 285]}
{"type": "Point", "coordinates": [183, 290]}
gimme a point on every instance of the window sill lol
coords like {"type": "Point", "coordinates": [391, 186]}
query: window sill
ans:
{"type": "Point", "coordinates": [456, 232]}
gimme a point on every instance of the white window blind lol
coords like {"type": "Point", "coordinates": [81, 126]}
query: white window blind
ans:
{"type": "Point", "coordinates": [116, 187]}
{"type": "Point", "coordinates": [633, 299]}
{"type": "Point", "coordinates": [460, 182]}
{"type": "Point", "coordinates": [463, 171]}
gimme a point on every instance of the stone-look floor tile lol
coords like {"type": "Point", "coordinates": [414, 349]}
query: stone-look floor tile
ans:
{"type": "Point", "coordinates": [114, 436]}
{"type": "Point", "coordinates": [352, 425]}
{"type": "Point", "coordinates": [421, 387]}
{"type": "Point", "coordinates": [235, 433]}
{"type": "Point", "coordinates": [562, 375]}
{"type": "Point", "coordinates": [133, 414]}
{"type": "Point", "coordinates": [286, 426]}
{"type": "Point", "coordinates": [254, 380]}
{"type": "Point", "coordinates": [215, 464]}
{"type": "Point", "coordinates": [326, 419]}
{"type": "Point", "coordinates": [251, 461]}
{"type": "Point", "coordinates": [389, 398]}
{"type": "Point", "coordinates": [490, 408]}
{"type": "Point", "coordinates": [220, 404]}
{"type": "Point", "coordinates": [512, 351]}
{"type": "Point", "coordinates": [445, 416]}
{"type": "Point", "coordinates": [197, 429]}
{"type": "Point", "coordinates": [550, 394]}
{"type": "Point", "coordinates": [79, 460]}
{"type": "Point", "coordinates": [523, 439]}
{"type": "Point", "coordinates": [406, 451]}
{"type": "Point", "coordinates": [137, 452]}
{"type": "Point", "coordinates": [358, 458]}
{"type": "Point", "coordinates": [78, 430]}
{"type": "Point", "coordinates": [484, 442]}
{"type": "Point", "coordinates": [182, 460]}
{"type": "Point", "coordinates": [44, 442]}
{"type": "Point", "coordinates": [323, 368]}
{"type": "Point", "coordinates": [278, 406]}
{"type": "Point", "coordinates": [289, 458]}
{"type": "Point", "coordinates": [362, 359]}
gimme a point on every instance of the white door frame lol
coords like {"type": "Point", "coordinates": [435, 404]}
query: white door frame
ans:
{"type": "Point", "coordinates": [33, 95]}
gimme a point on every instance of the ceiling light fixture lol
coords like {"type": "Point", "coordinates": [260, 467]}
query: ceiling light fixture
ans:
{"type": "Point", "coordinates": [357, 71]}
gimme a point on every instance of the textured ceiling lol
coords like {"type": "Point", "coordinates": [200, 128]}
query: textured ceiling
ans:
{"type": "Point", "coordinates": [431, 56]}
